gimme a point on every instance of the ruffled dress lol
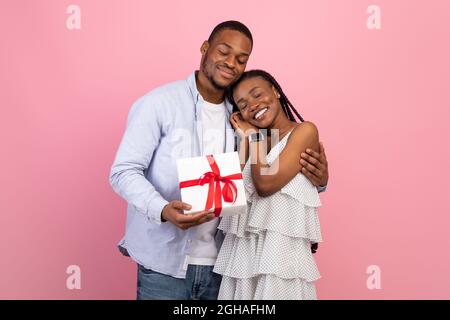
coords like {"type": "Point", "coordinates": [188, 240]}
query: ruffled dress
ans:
{"type": "Point", "coordinates": [266, 253]}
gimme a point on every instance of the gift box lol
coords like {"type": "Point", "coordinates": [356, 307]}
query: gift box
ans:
{"type": "Point", "coordinates": [212, 183]}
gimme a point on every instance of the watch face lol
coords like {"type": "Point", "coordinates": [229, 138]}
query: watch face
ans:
{"type": "Point", "coordinates": [256, 137]}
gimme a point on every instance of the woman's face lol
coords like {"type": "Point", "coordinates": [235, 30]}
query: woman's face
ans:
{"type": "Point", "coordinates": [258, 101]}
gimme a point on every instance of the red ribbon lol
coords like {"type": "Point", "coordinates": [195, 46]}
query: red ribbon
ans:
{"type": "Point", "coordinates": [215, 194]}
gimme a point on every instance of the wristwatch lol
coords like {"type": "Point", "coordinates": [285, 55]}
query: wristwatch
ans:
{"type": "Point", "coordinates": [255, 137]}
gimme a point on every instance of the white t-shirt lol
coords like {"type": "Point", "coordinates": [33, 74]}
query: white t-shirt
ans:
{"type": "Point", "coordinates": [203, 246]}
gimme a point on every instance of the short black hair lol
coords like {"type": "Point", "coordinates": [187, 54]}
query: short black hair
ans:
{"type": "Point", "coordinates": [231, 25]}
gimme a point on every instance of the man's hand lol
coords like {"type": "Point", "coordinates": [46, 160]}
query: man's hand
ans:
{"type": "Point", "coordinates": [173, 212]}
{"type": "Point", "coordinates": [315, 166]}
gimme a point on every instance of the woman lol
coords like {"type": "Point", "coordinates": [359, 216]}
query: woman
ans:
{"type": "Point", "coordinates": [266, 253]}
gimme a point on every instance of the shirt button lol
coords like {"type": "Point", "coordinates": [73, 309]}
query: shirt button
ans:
{"type": "Point", "coordinates": [189, 240]}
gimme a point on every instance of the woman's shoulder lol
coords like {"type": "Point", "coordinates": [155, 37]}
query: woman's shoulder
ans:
{"type": "Point", "coordinates": [305, 127]}
{"type": "Point", "coordinates": [306, 130]}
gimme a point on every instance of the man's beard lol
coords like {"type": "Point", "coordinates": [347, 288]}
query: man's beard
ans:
{"type": "Point", "coordinates": [210, 77]}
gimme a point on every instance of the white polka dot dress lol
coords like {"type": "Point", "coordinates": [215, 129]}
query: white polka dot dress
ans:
{"type": "Point", "coordinates": [266, 253]}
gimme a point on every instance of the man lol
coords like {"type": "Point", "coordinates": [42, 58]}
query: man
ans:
{"type": "Point", "coordinates": [176, 253]}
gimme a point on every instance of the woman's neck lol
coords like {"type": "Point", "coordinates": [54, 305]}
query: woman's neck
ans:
{"type": "Point", "coordinates": [283, 125]}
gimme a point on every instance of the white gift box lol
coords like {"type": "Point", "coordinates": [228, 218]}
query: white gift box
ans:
{"type": "Point", "coordinates": [223, 187]}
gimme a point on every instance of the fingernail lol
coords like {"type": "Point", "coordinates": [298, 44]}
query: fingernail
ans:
{"type": "Point", "coordinates": [302, 161]}
{"type": "Point", "coordinates": [303, 154]}
{"type": "Point", "coordinates": [308, 150]}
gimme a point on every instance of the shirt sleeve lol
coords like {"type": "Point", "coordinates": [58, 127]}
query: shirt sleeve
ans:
{"type": "Point", "coordinates": [141, 138]}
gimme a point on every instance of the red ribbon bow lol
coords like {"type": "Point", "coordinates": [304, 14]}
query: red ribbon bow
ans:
{"type": "Point", "coordinates": [215, 194]}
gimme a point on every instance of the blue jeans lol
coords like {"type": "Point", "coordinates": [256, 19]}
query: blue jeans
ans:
{"type": "Point", "coordinates": [201, 283]}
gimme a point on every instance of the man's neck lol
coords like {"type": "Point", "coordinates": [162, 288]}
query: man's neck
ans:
{"type": "Point", "coordinates": [207, 90]}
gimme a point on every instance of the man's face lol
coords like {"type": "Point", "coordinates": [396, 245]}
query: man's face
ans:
{"type": "Point", "coordinates": [225, 58]}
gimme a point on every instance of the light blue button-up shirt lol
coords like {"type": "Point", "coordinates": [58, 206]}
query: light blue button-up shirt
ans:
{"type": "Point", "coordinates": [163, 126]}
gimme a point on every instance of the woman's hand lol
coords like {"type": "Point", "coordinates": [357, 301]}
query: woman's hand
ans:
{"type": "Point", "coordinates": [242, 127]}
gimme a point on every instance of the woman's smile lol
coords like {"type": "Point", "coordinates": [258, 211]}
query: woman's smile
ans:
{"type": "Point", "coordinates": [260, 113]}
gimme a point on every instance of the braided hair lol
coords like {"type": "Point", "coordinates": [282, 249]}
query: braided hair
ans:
{"type": "Point", "coordinates": [286, 105]}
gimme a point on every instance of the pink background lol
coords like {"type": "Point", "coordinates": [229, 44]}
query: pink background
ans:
{"type": "Point", "coordinates": [379, 97]}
